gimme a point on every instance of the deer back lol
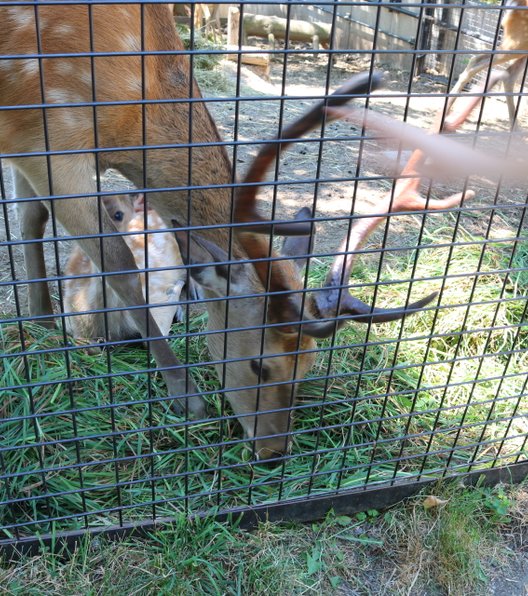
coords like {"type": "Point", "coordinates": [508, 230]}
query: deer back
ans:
{"type": "Point", "coordinates": [515, 27]}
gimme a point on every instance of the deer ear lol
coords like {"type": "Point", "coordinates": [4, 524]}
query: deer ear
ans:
{"type": "Point", "coordinates": [138, 199]}
{"type": "Point", "coordinates": [298, 246]}
{"type": "Point", "coordinates": [208, 266]}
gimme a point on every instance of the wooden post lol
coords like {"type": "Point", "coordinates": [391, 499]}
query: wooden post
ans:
{"type": "Point", "coordinates": [233, 42]}
{"type": "Point", "coordinates": [233, 26]}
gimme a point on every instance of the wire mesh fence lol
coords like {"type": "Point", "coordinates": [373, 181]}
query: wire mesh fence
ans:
{"type": "Point", "coordinates": [294, 353]}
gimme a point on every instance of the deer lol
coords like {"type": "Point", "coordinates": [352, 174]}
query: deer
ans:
{"type": "Point", "coordinates": [515, 38]}
{"type": "Point", "coordinates": [150, 112]}
{"type": "Point", "coordinates": [83, 289]}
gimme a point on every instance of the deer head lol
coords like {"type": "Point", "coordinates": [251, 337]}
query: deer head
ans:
{"type": "Point", "coordinates": [121, 209]}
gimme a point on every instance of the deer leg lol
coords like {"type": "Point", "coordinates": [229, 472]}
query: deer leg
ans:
{"type": "Point", "coordinates": [465, 105]}
{"type": "Point", "coordinates": [475, 65]}
{"type": "Point", "coordinates": [33, 217]}
{"type": "Point", "coordinates": [80, 216]}
{"type": "Point", "coordinates": [217, 27]}
{"type": "Point", "coordinates": [513, 73]}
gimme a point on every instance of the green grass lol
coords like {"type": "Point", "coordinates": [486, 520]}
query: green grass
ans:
{"type": "Point", "coordinates": [459, 547]}
{"type": "Point", "coordinates": [361, 427]}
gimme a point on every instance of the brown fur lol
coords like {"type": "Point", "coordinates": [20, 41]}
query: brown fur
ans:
{"type": "Point", "coordinates": [117, 28]}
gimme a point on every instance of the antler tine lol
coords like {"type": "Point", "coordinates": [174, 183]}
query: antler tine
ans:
{"type": "Point", "coordinates": [245, 200]}
{"type": "Point", "coordinates": [406, 195]}
{"type": "Point", "coordinates": [336, 302]}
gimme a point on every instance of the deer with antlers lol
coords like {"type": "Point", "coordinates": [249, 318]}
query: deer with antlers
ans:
{"type": "Point", "coordinates": [515, 38]}
{"type": "Point", "coordinates": [152, 100]}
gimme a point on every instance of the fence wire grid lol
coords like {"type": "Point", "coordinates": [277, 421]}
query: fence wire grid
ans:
{"type": "Point", "coordinates": [101, 425]}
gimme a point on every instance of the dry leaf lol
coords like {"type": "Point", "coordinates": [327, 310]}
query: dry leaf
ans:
{"type": "Point", "coordinates": [432, 501]}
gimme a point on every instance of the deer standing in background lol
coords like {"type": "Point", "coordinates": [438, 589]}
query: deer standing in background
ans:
{"type": "Point", "coordinates": [187, 187]}
{"type": "Point", "coordinates": [515, 38]}
{"type": "Point", "coordinates": [165, 285]}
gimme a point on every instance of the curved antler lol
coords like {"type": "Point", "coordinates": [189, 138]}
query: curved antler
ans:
{"type": "Point", "coordinates": [245, 199]}
{"type": "Point", "coordinates": [337, 302]}
{"type": "Point", "coordinates": [284, 307]}
{"type": "Point", "coordinates": [333, 301]}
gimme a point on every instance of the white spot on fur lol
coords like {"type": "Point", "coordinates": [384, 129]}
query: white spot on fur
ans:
{"type": "Point", "coordinates": [15, 69]}
{"type": "Point", "coordinates": [70, 117]}
{"type": "Point", "coordinates": [22, 17]}
{"type": "Point", "coordinates": [65, 30]}
{"type": "Point", "coordinates": [59, 96]}
{"type": "Point", "coordinates": [64, 68]}
{"type": "Point", "coordinates": [132, 42]}
{"type": "Point", "coordinates": [29, 67]}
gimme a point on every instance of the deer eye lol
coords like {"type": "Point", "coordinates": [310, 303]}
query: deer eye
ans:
{"type": "Point", "coordinates": [118, 215]}
{"type": "Point", "coordinates": [260, 369]}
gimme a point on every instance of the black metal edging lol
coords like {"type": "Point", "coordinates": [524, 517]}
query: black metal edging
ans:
{"type": "Point", "coordinates": [298, 510]}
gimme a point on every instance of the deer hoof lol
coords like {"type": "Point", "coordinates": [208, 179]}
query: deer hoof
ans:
{"type": "Point", "coordinates": [194, 406]}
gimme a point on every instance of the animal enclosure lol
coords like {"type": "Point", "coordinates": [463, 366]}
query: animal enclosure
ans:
{"type": "Point", "coordinates": [344, 333]}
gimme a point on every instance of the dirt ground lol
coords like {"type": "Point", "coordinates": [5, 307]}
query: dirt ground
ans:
{"type": "Point", "coordinates": [340, 159]}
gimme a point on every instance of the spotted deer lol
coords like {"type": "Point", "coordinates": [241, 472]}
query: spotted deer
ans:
{"type": "Point", "coordinates": [94, 54]}
{"type": "Point", "coordinates": [83, 288]}
{"type": "Point", "coordinates": [515, 39]}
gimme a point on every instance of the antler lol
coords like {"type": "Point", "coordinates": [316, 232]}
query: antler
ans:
{"type": "Point", "coordinates": [284, 306]}
{"type": "Point", "coordinates": [335, 302]}
{"type": "Point", "coordinates": [245, 199]}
